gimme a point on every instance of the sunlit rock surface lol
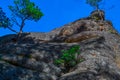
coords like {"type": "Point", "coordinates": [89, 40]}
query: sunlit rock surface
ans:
{"type": "Point", "coordinates": [32, 56]}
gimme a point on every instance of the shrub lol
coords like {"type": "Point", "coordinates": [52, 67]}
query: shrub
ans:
{"type": "Point", "coordinates": [70, 58]}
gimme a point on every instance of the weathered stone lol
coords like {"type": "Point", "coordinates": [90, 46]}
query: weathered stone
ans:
{"type": "Point", "coordinates": [32, 56]}
{"type": "Point", "coordinates": [98, 15]}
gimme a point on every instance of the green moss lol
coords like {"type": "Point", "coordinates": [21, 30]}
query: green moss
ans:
{"type": "Point", "coordinates": [96, 18]}
{"type": "Point", "coordinates": [112, 31]}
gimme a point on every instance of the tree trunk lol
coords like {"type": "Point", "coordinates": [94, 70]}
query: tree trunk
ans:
{"type": "Point", "coordinates": [97, 7]}
{"type": "Point", "coordinates": [21, 27]}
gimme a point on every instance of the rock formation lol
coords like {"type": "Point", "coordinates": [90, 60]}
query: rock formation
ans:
{"type": "Point", "coordinates": [33, 56]}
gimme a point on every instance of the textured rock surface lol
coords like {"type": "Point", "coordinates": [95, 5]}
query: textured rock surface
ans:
{"type": "Point", "coordinates": [33, 56]}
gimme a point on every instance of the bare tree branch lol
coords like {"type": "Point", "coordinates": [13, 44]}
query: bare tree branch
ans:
{"type": "Point", "coordinates": [15, 21]}
{"type": "Point", "coordinates": [12, 29]}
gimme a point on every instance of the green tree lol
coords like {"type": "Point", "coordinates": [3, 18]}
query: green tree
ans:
{"type": "Point", "coordinates": [24, 10]}
{"type": "Point", "coordinates": [5, 21]}
{"type": "Point", "coordinates": [94, 3]}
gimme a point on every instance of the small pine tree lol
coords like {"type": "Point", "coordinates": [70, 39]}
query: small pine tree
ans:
{"type": "Point", "coordinates": [24, 10]}
{"type": "Point", "coordinates": [94, 3]}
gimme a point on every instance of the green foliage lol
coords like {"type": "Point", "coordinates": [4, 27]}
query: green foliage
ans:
{"type": "Point", "coordinates": [25, 9]}
{"type": "Point", "coordinates": [22, 10]}
{"type": "Point", "coordinates": [93, 3]}
{"type": "Point", "coordinates": [69, 57]}
{"type": "Point", "coordinates": [4, 20]}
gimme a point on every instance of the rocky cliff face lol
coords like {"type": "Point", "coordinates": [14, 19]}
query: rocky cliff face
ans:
{"type": "Point", "coordinates": [33, 56]}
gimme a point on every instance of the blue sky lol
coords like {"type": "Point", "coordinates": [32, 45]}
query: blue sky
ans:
{"type": "Point", "coordinates": [60, 12]}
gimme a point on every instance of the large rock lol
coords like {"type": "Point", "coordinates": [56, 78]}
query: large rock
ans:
{"type": "Point", "coordinates": [32, 56]}
{"type": "Point", "coordinates": [98, 15]}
